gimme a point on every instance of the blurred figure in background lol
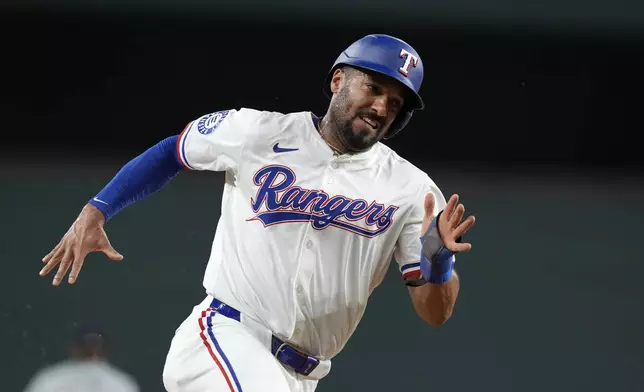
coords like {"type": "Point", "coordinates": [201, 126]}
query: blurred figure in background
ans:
{"type": "Point", "coordinates": [86, 370]}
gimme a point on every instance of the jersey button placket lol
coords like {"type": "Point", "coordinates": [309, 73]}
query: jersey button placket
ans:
{"type": "Point", "coordinates": [302, 278]}
{"type": "Point", "coordinates": [328, 178]}
{"type": "Point", "coordinates": [306, 265]}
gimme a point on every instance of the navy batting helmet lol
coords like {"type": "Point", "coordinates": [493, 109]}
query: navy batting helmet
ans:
{"type": "Point", "coordinates": [392, 57]}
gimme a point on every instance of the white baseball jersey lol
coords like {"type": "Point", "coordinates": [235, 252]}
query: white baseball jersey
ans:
{"type": "Point", "coordinates": [304, 235]}
{"type": "Point", "coordinates": [82, 376]}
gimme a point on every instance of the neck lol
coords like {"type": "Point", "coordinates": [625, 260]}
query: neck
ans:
{"type": "Point", "coordinates": [330, 137]}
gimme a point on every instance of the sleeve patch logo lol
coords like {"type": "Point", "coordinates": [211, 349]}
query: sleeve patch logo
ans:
{"type": "Point", "coordinates": [208, 123]}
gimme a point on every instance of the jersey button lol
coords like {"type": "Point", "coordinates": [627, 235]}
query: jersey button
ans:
{"type": "Point", "coordinates": [309, 244]}
{"type": "Point", "coordinates": [299, 289]}
{"type": "Point", "coordinates": [334, 165]}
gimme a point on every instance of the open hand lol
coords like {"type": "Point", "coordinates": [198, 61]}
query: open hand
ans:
{"type": "Point", "coordinates": [449, 223]}
{"type": "Point", "coordinates": [84, 236]}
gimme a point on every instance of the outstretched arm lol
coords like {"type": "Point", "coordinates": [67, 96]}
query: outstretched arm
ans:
{"type": "Point", "coordinates": [435, 297]}
{"type": "Point", "coordinates": [211, 142]}
{"type": "Point", "coordinates": [140, 177]}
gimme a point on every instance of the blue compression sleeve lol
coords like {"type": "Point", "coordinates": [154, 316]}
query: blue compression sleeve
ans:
{"type": "Point", "coordinates": [140, 177]}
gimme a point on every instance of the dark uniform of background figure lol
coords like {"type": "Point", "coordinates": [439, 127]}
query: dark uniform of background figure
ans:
{"type": "Point", "coordinates": [87, 368]}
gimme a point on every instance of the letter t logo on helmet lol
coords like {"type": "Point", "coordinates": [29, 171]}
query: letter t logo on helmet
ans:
{"type": "Point", "coordinates": [410, 60]}
{"type": "Point", "coordinates": [389, 56]}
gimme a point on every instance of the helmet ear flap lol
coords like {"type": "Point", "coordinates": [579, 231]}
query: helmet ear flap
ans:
{"type": "Point", "coordinates": [399, 123]}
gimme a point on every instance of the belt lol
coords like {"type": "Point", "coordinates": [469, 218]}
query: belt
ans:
{"type": "Point", "coordinates": [282, 351]}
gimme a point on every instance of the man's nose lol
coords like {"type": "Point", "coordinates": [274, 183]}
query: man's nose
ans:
{"type": "Point", "coordinates": [380, 106]}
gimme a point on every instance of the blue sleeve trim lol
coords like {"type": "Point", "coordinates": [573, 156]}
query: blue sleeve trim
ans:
{"type": "Point", "coordinates": [140, 177]}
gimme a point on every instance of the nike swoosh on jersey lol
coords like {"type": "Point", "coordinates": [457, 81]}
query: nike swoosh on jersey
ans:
{"type": "Point", "coordinates": [277, 148]}
{"type": "Point", "coordinates": [100, 201]}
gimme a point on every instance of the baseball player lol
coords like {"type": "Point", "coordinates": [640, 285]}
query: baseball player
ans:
{"type": "Point", "coordinates": [314, 210]}
{"type": "Point", "coordinates": [86, 370]}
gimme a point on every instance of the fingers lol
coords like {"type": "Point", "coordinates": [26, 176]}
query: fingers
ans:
{"type": "Point", "coordinates": [70, 258]}
{"type": "Point", "coordinates": [79, 260]}
{"type": "Point", "coordinates": [65, 257]}
{"type": "Point", "coordinates": [49, 266]}
{"type": "Point", "coordinates": [463, 227]}
{"type": "Point", "coordinates": [52, 253]}
{"type": "Point", "coordinates": [461, 247]}
{"type": "Point", "coordinates": [109, 250]}
{"type": "Point", "coordinates": [72, 250]}
{"type": "Point", "coordinates": [452, 228]}
{"type": "Point", "coordinates": [65, 263]}
{"type": "Point", "coordinates": [52, 259]}
{"type": "Point", "coordinates": [456, 217]}
{"type": "Point", "coordinates": [450, 206]}
{"type": "Point", "coordinates": [114, 255]}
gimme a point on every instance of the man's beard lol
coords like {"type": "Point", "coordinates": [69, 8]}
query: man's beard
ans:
{"type": "Point", "coordinates": [342, 126]}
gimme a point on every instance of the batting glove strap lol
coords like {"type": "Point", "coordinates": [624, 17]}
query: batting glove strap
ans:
{"type": "Point", "coordinates": [436, 261]}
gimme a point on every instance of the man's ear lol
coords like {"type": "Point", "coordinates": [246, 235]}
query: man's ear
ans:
{"type": "Point", "coordinates": [337, 80]}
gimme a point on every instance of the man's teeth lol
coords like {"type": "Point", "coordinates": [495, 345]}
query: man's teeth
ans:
{"type": "Point", "coordinates": [368, 121]}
